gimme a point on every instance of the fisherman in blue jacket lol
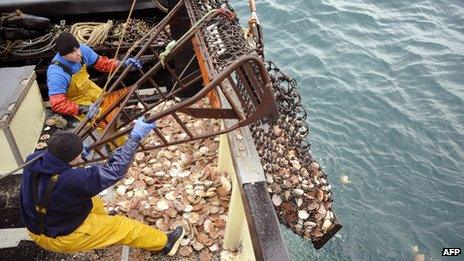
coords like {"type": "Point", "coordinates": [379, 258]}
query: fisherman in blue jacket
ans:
{"type": "Point", "coordinates": [60, 206]}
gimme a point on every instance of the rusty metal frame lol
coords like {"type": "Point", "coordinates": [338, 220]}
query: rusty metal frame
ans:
{"type": "Point", "coordinates": [248, 70]}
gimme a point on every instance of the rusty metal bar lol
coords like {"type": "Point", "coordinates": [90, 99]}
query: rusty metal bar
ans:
{"type": "Point", "coordinates": [126, 70]}
{"type": "Point", "coordinates": [262, 109]}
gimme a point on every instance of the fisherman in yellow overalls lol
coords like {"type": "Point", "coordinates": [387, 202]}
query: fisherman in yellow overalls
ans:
{"type": "Point", "coordinates": [70, 90]}
{"type": "Point", "coordinates": [61, 209]}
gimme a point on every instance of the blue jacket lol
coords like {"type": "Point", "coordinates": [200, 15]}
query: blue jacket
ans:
{"type": "Point", "coordinates": [70, 203]}
{"type": "Point", "coordinates": [57, 79]}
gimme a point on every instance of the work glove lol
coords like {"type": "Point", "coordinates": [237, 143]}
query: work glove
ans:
{"type": "Point", "coordinates": [134, 62]}
{"type": "Point", "coordinates": [85, 151]}
{"type": "Point", "coordinates": [83, 109]}
{"type": "Point", "coordinates": [89, 111]}
{"type": "Point", "coordinates": [142, 128]}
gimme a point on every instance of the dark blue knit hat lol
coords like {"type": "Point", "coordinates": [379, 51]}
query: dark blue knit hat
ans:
{"type": "Point", "coordinates": [66, 43]}
{"type": "Point", "coordinates": [65, 145]}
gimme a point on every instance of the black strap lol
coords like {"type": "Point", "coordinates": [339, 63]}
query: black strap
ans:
{"type": "Point", "coordinates": [41, 207]}
{"type": "Point", "coordinates": [65, 68]}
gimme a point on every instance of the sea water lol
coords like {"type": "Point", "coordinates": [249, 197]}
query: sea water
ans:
{"type": "Point", "coordinates": [383, 82]}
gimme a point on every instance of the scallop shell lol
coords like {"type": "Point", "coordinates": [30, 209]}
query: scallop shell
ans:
{"type": "Point", "coordinates": [198, 246]}
{"type": "Point", "coordinates": [276, 200]}
{"type": "Point", "coordinates": [185, 251]}
{"type": "Point", "coordinates": [139, 156]}
{"type": "Point", "coordinates": [121, 190]}
{"type": "Point", "coordinates": [204, 150]}
{"type": "Point", "coordinates": [170, 196]}
{"type": "Point", "coordinates": [329, 215]}
{"type": "Point", "coordinates": [41, 145]}
{"type": "Point", "coordinates": [313, 206]}
{"type": "Point", "coordinates": [314, 166]}
{"type": "Point", "coordinates": [162, 205]}
{"type": "Point", "coordinates": [214, 248]}
{"type": "Point", "coordinates": [192, 217]}
{"type": "Point", "coordinates": [208, 226]}
{"type": "Point", "coordinates": [188, 208]}
{"type": "Point", "coordinates": [50, 122]}
{"type": "Point", "coordinates": [296, 164]}
{"type": "Point", "coordinates": [45, 137]}
{"type": "Point", "coordinates": [310, 224]}
{"type": "Point", "coordinates": [185, 242]}
{"type": "Point", "coordinates": [303, 214]}
{"type": "Point", "coordinates": [129, 181]}
{"type": "Point", "coordinates": [320, 195]}
{"type": "Point", "coordinates": [327, 224]}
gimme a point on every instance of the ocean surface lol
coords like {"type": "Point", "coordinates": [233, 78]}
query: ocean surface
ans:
{"type": "Point", "coordinates": [383, 82]}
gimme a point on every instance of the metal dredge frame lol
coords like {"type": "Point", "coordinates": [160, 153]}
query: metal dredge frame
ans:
{"type": "Point", "coordinates": [224, 68]}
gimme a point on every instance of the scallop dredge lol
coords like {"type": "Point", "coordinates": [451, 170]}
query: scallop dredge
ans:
{"type": "Point", "coordinates": [209, 55]}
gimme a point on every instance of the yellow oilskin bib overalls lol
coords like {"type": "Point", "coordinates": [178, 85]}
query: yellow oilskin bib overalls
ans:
{"type": "Point", "coordinates": [82, 90]}
{"type": "Point", "coordinates": [100, 230]}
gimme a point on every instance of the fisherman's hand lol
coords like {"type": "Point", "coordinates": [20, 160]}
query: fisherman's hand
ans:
{"type": "Point", "coordinates": [134, 62]}
{"type": "Point", "coordinates": [93, 111]}
{"type": "Point", "coordinates": [85, 151]}
{"type": "Point", "coordinates": [142, 128]}
{"type": "Point", "coordinates": [83, 109]}
{"type": "Point", "coordinates": [89, 111]}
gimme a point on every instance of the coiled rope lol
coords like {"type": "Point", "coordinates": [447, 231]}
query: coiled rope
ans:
{"type": "Point", "coordinates": [29, 47]}
{"type": "Point", "coordinates": [91, 33]}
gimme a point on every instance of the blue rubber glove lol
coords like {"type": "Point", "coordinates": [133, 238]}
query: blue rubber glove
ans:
{"type": "Point", "coordinates": [85, 151]}
{"type": "Point", "coordinates": [134, 62]}
{"type": "Point", "coordinates": [93, 111]}
{"type": "Point", "coordinates": [141, 128]}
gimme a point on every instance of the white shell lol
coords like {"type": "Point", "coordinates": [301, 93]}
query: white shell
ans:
{"type": "Point", "coordinates": [204, 150]}
{"type": "Point", "coordinates": [303, 214]}
{"type": "Point", "coordinates": [140, 193]}
{"type": "Point", "coordinates": [188, 208]}
{"type": "Point", "coordinates": [208, 226]}
{"type": "Point", "coordinates": [327, 224]}
{"type": "Point", "coordinates": [170, 195]}
{"type": "Point", "coordinates": [121, 190]}
{"type": "Point", "coordinates": [214, 248]}
{"type": "Point", "coordinates": [174, 172]}
{"type": "Point", "coordinates": [329, 215]}
{"type": "Point", "coordinates": [299, 192]}
{"type": "Point", "coordinates": [276, 200]}
{"type": "Point", "coordinates": [185, 242]}
{"type": "Point", "coordinates": [310, 224]}
{"type": "Point", "coordinates": [296, 164]}
{"type": "Point", "coordinates": [162, 205]}
{"type": "Point", "coordinates": [128, 181]}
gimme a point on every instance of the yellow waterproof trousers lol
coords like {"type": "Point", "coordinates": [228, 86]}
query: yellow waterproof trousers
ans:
{"type": "Point", "coordinates": [100, 230]}
{"type": "Point", "coordinates": [84, 91]}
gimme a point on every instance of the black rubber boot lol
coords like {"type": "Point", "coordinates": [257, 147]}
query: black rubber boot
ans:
{"type": "Point", "coordinates": [174, 239]}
